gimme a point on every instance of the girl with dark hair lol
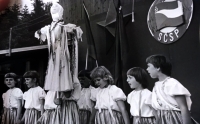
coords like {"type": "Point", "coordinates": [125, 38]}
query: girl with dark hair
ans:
{"type": "Point", "coordinates": [12, 101]}
{"type": "Point", "coordinates": [85, 103]}
{"type": "Point", "coordinates": [141, 112]}
{"type": "Point", "coordinates": [170, 99]}
{"type": "Point", "coordinates": [34, 98]}
{"type": "Point", "coordinates": [110, 107]}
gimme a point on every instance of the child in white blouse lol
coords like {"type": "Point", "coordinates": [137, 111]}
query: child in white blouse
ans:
{"type": "Point", "coordinates": [141, 112]}
{"type": "Point", "coordinates": [12, 101]}
{"type": "Point", "coordinates": [49, 107]}
{"type": "Point", "coordinates": [34, 98]}
{"type": "Point", "coordinates": [110, 107]}
{"type": "Point", "coordinates": [170, 99]}
{"type": "Point", "coordinates": [85, 103]}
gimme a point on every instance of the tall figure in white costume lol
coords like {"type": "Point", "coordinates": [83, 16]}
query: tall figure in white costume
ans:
{"type": "Point", "coordinates": [62, 65]}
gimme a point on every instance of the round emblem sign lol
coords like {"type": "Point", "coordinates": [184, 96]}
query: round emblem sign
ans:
{"type": "Point", "coordinates": [169, 19]}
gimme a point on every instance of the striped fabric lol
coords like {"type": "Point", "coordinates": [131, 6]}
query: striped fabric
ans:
{"type": "Point", "coordinates": [105, 118]}
{"type": "Point", "coordinates": [169, 14]}
{"type": "Point", "coordinates": [9, 116]}
{"type": "Point", "coordinates": [84, 116]}
{"type": "Point", "coordinates": [47, 117]}
{"type": "Point", "coordinates": [31, 116]}
{"type": "Point", "coordinates": [144, 120]}
{"type": "Point", "coordinates": [66, 113]}
{"type": "Point", "coordinates": [169, 117]}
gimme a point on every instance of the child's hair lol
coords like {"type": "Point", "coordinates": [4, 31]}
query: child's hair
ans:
{"type": "Point", "coordinates": [102, 72]}
{"type": "Point", "coordinates": [84, 73]}
{"type": "Point", "coordinates": [160, 61]}
{"type": "Point", "coordinates": [140, 75]}
{"type": "Point", "coordinates": [32, 74]}
{"type": "Point", "coordinates": [11, 75]}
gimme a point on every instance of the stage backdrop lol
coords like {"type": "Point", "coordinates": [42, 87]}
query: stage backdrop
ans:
{"type": "Point", "coordinates": [184, 53]}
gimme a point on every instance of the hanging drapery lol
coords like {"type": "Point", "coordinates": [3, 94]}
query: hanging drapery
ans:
{"type": "Point", "coordinates": [91, 55]}
{"type": "Point", "coordinates": [120, 46]}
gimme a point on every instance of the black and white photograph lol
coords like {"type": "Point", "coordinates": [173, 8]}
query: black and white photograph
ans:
{"type": "Point", "coordinates": [100, 61]}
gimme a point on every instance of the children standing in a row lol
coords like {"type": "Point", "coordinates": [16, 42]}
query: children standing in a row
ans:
{"type": "Point", "coordinates": [169, 101]}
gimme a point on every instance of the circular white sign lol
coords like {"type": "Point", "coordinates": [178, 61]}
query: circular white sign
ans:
{"type": "Point", "coordinates": [169, 19]}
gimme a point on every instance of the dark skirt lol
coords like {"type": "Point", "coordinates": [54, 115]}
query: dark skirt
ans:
{"type": "Point", "coordinates": [9, 116]}
{"type": "Point", "coordinates": [105, 117]}
{"type": "Point", "coordinates": [31, 116]}
{"type": "Point", "coordinates": [66, 113]}
{"type": "Point", "coordinates": [144, 120]}
{"type": "Point", "coordinates": [84, 116]}
{"type": "Point", "coordinates": [47, 117]}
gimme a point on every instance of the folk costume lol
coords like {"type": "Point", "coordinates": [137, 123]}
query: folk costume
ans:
{"type": "Point", "coordinates": [106, 104]}
{"type": "Point", "coordinates": [32, 104]}
{"type": "Point", "coordinates": [85, 105]}
{"type": "Point", "coordinates": [10, 105]}
{"type": "Point", "coordinates": [141, 112]}
{"type": "Point", "coordinates": [163, 100]}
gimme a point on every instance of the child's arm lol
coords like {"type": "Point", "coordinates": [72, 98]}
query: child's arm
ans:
{"type": "Point", "coordinates": [19, 109]}
{"type": "Point", "coordinates": [181, 100]}
{"type": "Point", "coordinates": [42, 106]}
{"type": "Point", "coordinates": [122, 108]}
{"type": "Point", "coordinates": [154, 114]}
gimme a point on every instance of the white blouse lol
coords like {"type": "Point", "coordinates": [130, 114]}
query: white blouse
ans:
{"type": "Point", "coordinates": [85, 102]}
{"type": "Point", "coordinates": [163, 95]}
{"type": "Point", "coordinates": [32, 97]}
{"type": "Point", "coordinates": [11, 96]}
{"type": "Point", "coordinates": [49, 100]}
{"type": "Point", "coordinates": [134, 98]}
{"type": "Point", "coordinates": [106, 98]}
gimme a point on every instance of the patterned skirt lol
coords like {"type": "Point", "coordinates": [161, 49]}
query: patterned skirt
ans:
{"type": "Point", "coordinates": [144, 120]}
{"type": "Point", "coordinates": [66, 113]}
{"type": "Point", "coordinates": [84, 116]}
{"type": "Point", "coordinates": [169, 117]}
{"type": "Point", "coordinates": [31, 116]}
{"type": "Point", "coordinates": [9, 116]}
{"type": "Point", "coordinates": [105, 117]}
{"type": "Point", "coordinates": [47, 117]}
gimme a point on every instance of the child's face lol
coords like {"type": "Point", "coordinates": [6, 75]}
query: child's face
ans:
{"type": "Point", "coordinates": [153, 71]}
{"type": "Point", "coordinates": [100, 82]}
{"type": "Point", "coordinates": [85, 82]}
{"type": "Point", "coordinates": [132, 82]}
{"type": "Point", "coordinates": [30, 82]}
{"type": "Point", "coordinates": [10, 82]}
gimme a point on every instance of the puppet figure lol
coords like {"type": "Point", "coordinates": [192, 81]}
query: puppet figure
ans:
{"type": "Point", "coordinates": [63, 56]}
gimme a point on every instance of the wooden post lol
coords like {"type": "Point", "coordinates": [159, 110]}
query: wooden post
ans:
{"type": "Point", "coordinates": [10, 43]}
